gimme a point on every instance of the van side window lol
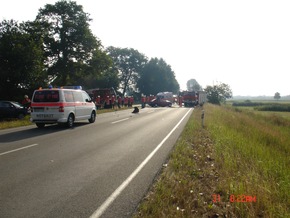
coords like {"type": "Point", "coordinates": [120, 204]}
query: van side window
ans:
{"type": "Point", "coordinates": [68, 95]}
{"type": "Point", "coordinates": [86, 96]}
{"type": "Point", "coordinates": [78, 96]}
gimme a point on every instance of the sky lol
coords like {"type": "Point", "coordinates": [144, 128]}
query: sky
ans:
{"type": "Point", "coordinates": [245, 44]}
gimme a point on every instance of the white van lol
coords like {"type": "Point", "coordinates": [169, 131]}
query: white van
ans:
{"type": "Point", "coordinates": [61, 106]}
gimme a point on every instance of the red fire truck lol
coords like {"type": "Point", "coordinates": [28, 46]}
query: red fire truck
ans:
{"type": "Point", "coordinates": [189, 98]}
{"type": "Point", "coordinates": [192, 98]}
{"type": "Point", "coordinates": [103, 97]}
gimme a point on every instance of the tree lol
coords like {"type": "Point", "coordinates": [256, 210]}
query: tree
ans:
{"type": "Point", "coordinates": [217, 94]}
{"type": "Point", "coordinates": [157, 76]}
{"type": "Point", "coordinates": [70, 46]}
{"type": "Point", "coordinates": [105, 79]}
{"type": "Point", "coordinates": [21, 60]}
{"type": "Point", "coordinates": [193, 85]}
{"type": "Point", "coordinates": [129, 63]}
{"type": "Point", "coordinates": [277, 96]}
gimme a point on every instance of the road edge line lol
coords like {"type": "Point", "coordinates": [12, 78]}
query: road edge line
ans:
{"type": "Point", "coordinates": [18, 149]}
{"type": "Point", "coordinates": [99, 212]}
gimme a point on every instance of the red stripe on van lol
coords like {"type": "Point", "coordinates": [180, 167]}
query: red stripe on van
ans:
{"type": "Point", "coordinates": [56, 104]}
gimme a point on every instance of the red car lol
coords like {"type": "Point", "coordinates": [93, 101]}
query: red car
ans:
{"type": "Point", "coordinates": [158, 102]}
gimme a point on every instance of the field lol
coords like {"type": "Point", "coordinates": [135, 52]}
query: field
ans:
{"type": "Point", "coordinates": [236, 166]}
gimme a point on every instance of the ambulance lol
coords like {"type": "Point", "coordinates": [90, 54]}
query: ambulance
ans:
{"type": "Point", "coordinates": [62, 105]}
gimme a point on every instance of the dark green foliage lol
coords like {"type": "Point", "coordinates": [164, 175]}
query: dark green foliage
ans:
{"type": "Point", "coordinates": [157, 76]}
{"type": "Point", "coordinates": [21, 60]}
{"type": "Point", "coordinates": [129, 63]}
{"type": "Point", "coordinates": [193, 85]}
{"type": "Point", "coordinates": [277, 96]}
{"type": "Point", "coordinates": [274, 107]}
{"type": "Point", "coordinates": [70, 47]}
{"type": "Point", "coordinates": [59, 48]}
{"type": "Point", "coordinates": [105, 79]}
{"type": "Point", "coordinates": [264, 106]}
{"type": "Point", "coordinates": [247, 103]}
{"type": "Point", "coordinates": [218, 94]}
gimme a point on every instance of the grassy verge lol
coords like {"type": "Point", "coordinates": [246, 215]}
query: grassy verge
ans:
{"type": "Point", "coordinates": [11, 123]}
{"type": "Point", "coordinates": [238, 156]}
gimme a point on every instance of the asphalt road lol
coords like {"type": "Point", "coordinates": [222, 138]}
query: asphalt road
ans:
{"type": "Point", "coordinates": [92, 170]}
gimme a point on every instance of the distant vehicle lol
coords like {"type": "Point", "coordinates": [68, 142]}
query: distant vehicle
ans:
{"type": "Point", "coordinates": [165, 96]}
{"type": "Point", "coordinates": [61, 106]}
{"type": "Point", "coordinates": [163, 99]}
{"type": "Point", "coordinates": [193, 98]}
{"type": "Point", "coordinates": [102, 96]}
{"type": "Point", "coordinates": [189, 98]}
{"type": "Point", "coordinates": [158, 102]}
{"type": "Point", "coordinates": [12, 109]}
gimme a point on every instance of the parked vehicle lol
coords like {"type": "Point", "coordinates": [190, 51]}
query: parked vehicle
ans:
{"type": "Point", "coordinates": [61, 106]}
{"type": "Point", "coordinates": [12, 109]}
{"type": "Point", "coordinates": [103, 97]}
{"type": "Point", "coordinates": [192, 98]}
{"type": "Point", "coordinates": [165, 96]}
{"type": "Point", "coordinates": [189, 98]}
{"type": "Point", "coordinates": [159, 102]}
{"type": "Point", "coordinates": [163, 99]}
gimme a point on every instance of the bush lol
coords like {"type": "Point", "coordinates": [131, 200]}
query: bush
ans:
{"type": "Point", "coordinates": [246, 103]}
{"type": "Point", "coordinates": [274, 107]}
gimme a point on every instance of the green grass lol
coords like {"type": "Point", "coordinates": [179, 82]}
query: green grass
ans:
{"type": "Point", "coordinates": [239, 152]}
{"type": "Point", "coordinates": [254, 148]}
{"type": "Point", "coordinates": [11, 123]}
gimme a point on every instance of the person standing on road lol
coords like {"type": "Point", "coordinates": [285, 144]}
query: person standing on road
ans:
{"type": "Point", "coordinates": [126, 101]}
{"type": "Point", "coordinates": [143, 99]}
{"type": "Point", "coordinates": [131, 101]}
{"type": "Point", "coordinates": [113, 100]}
{"type": "Point", "coordinates": [26, 101]}
{"type": "Point", "coordinates": [180, 101]}
{"type": "Point", "coordinates": [119, 102]}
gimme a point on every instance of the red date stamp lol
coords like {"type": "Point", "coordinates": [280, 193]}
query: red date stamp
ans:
{"type": "Point", "coordinates": [235, 198]}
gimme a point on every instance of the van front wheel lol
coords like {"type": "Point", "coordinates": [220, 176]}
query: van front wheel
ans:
{"type": "Point", "coordinates": [93, 117]}
{"type": "Point", "coordinates": [70, 121]}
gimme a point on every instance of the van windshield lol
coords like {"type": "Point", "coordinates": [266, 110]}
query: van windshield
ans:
{"type": "Point", "coordinates": [46, 96]}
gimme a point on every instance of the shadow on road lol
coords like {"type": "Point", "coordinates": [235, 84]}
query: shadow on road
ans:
{"type": "Point", "coordinates": [35, 132]}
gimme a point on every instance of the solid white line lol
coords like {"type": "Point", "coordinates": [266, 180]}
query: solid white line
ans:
{"type": "Point", "coordinates": [118, 191]}
{"type": "Point", "coordinates": [120, 120]}
{"type": "Point", "coordinates": [28, 146]}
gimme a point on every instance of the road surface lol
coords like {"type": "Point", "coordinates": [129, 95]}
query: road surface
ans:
{"type": "Point", "coordinates": [92, 170]}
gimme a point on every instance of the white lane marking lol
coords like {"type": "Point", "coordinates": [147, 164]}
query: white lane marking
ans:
{"type": "Point", "coordinates": [118, 191]}
{"type": "Point", "coordinates": [120, 120]}
{"type": "Point", "coordinates": [18, 149]}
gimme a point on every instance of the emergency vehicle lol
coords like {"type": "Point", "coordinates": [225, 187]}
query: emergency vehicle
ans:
{"type": "Point", "coordinates": [103, 97]}
{"type": "Point", "coordinates": [61, 105]}
{"type": "Point", "coordinates": [189, 98]}
{"type": "Point", "coordinates": [192, 98]}
{"type": "Point", "coordinates": [163, 99]}
{"type": "Point", "coordinates": [165, 96]}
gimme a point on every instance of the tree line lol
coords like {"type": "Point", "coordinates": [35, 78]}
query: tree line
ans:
{"type": "Point", "coordinates": [58, 48]}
